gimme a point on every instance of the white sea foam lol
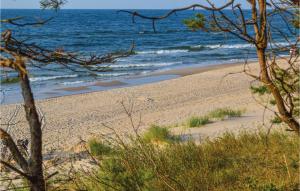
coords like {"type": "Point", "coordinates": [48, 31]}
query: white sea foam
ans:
{"type": "Point", "coordinates": [35, 79]}
{"type": "Point", "coordinates": [281, 44]}
{"type": "Point", "coordinates": [212, 46]}
{"type": "Point", "coordinates": [163, 51]}
{"type": "Point", "coordinates": [71, 83]}
{"type": "Point", "coordinates": [229, 46]}
{"type": "Point", "coordinates": [144, 64]}
{"type": "Point", "coordinates": [113, 74]}
{"type": "Point", "coordinates": [236, 46]}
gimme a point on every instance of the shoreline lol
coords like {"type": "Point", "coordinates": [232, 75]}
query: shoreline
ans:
{"type": "Point", "coordinates": [106, 85]}
{"type": "Point", "coordinates": [196, 69]}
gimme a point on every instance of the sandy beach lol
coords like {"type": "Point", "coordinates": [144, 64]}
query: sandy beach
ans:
{"type": "Point", "coordinates": [69, 119]}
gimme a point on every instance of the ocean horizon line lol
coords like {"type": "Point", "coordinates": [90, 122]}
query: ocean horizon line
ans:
{"type": "Point", "coordinates": [114, 9]}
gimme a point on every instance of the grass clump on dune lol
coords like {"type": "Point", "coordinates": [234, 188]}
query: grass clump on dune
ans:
{"type": "Point", "coordinates": [219, 114]}
{"type": "Point", "coordinates": [248, 162]}
{"type": "Point", "coordinates": [99, 148]}
{"type": "Point", "coordinates": [223, 113]}
{"type": "Point", "coordinates": [198, 121]}
{"type": "Point", "coordinates": [158, 134]}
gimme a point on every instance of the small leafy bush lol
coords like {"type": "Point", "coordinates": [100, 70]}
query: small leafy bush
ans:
{"type": "Point", "coordinates": [276, 120]}
{"type": "Point", "coordinates": [261, 90]}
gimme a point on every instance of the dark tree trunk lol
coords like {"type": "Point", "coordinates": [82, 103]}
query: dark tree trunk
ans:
{"type": "Point", "coordinates": [35, 163]}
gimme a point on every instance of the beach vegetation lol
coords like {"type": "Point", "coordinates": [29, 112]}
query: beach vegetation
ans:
{"type": "Point", "coordinates": [99, 148]}
{"type": "Point", "coordinates": [223, 113]}
{"type": "Point", "coordinates": [247, 161]}
{"type": "Point", "coordinates": [217, 114]}
{"type": "Point", "coordinates": [261, 90]}
{"type": "Point", "coordinates": [158, 134]}
{"type": "Point", "coordinates": [276, 120]}
{"type": "Point", "coordinates": [198, 121]}
{"type": "Point", "coordinates": [272, 102]}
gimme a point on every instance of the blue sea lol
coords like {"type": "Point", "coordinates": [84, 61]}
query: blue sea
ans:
{"type": "Point", "coordinates": [87, 32]}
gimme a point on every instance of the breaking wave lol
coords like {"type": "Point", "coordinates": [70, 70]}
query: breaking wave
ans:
{"type": "Point", "coordinates": [35, 79]}
{"type": "Point", "coordinates": [152, 64]}
{"type": "Point", "coordinates": [196, 48]}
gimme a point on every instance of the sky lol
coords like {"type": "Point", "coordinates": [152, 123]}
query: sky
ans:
{"type": "Point", "coordinates": [111, 4]}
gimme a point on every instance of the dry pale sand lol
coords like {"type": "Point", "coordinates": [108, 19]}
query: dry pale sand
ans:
{"type": "Point", "coordinates": [71, 118]}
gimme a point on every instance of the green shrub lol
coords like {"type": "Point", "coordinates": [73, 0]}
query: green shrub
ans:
{"type": "Point", "coordinates": [224, 113]}
{"type": "Point", "coordinates": [99, 148]}
{"type": "Point", "coordinates": [249, 162]}
{"type": "Point", "coordinates": [196, 23]}
{"type": "Point", "coordinates": [261, 90]}
{"type": "Point", "coordinates": [276, 120]}
{"type": "Point", "coordinates": [157, 133]}
{"type": "Point", "coordinates": [198, 121]}
{"type": "Point", "coordinates": [272, 102]}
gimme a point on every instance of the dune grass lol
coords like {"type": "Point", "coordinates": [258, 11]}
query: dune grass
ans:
{"type": "Point", "coordinates": [223, 113]}
{"type": "Point", "coordinates": [158, 134]}
{"type": "Point", "coordinates": [99, 148]}
{"type": "Point", "coordinates": [198, 121]}
{"type": "Point", "coordinates": [217, 114]}
{"type": "Point", "coordinates": [247, 162]}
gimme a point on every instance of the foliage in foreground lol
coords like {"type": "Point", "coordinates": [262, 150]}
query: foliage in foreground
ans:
{"type": "Point", "coordinates": [244, 162]}
{"type": "Point", "coordinates": [98, 148]}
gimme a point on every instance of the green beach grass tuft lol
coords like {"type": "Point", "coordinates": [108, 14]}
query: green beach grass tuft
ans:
{"type": "Point", "coordinates": [158, 134]}
{"type": "Point", "coordinates": [99, 148]}
{"type": "Point", "coordinates": [218, 114]}
{"type": "Point", "coordinates": [223, 113]}
{"type": "Point", "coordinates": [198, 121]}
